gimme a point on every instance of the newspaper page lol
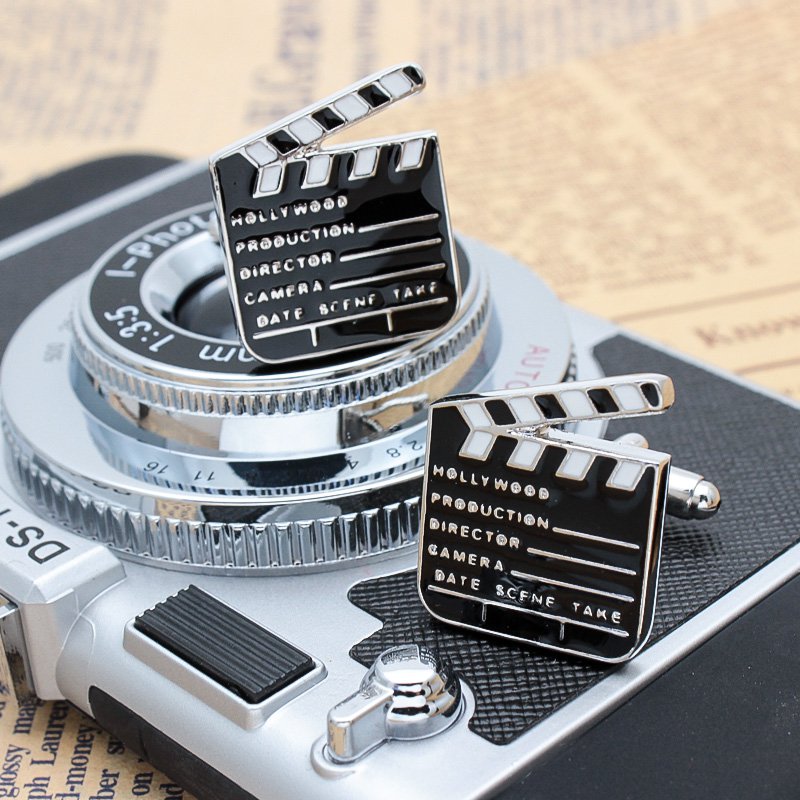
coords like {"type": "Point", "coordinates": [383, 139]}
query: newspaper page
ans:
{"type": "Point", "coordinates": [79, 80]}
{"type": "Point", "coordinates": [642, 157]}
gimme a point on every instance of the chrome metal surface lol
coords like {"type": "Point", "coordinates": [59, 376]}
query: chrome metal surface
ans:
{"type": "Point", "coordinates": [633, 439]}
{"type": "Point", "coordinates": [689, 495]}
{"type": "Point", "coordinates": [364, 384]}
{"type": "Point", "coordinates": [408, 693]}
{"type": "Point", "coordinates": [240, 493]}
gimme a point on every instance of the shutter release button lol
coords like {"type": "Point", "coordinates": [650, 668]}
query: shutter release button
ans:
{"type": "Point", "coordinates": [408, 693]}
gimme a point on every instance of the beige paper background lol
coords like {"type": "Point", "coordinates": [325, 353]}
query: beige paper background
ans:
{"type": "Point", "coordinates": [643, 157]}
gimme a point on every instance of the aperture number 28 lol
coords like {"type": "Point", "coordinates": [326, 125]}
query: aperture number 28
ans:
{"type": "Point", "coordinates": [396, 452]}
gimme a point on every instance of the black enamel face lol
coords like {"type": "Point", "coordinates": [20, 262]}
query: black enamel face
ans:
{"type": "Point", "coordinates": [357, 262]}
{"type": "Point", "coordinates": [341, 249]}
{"type": "Point", "coordinates": [553, 540]}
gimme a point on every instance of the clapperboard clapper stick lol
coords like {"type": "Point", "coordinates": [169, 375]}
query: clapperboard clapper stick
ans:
{"type": "Point", "coordinates": [545, 536]}
{"type": "Point", "coordinates": [341, 249]}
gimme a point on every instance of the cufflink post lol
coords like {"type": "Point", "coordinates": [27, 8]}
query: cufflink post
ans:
{"type": "Point", "coordinates": [689, 495]}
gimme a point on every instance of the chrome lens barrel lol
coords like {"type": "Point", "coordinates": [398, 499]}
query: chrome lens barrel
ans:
{"type": "Point", "coordinates": [217, 463]}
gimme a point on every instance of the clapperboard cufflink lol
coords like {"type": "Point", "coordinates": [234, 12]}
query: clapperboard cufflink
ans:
{"type": "Point", "coordinates": [544, 536]}
{"type": "Point", "coordinates": [338, 249]}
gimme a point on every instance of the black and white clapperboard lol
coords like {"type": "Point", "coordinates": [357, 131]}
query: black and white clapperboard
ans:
{"type": "Point", "coordinates": [337, 249]}
{"type": "Point", "coordinates": [540, 535]}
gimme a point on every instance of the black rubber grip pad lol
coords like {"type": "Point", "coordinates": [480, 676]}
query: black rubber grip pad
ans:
{"type": "Point", "coordinates": [224, 644]}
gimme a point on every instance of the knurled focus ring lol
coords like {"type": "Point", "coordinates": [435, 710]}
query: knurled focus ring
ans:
{"type": "Point", "coordinates": [370, 529]}
{"type": "Point", "coordinates": [130, 348]}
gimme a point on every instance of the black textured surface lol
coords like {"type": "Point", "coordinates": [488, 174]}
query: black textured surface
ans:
{"type": "Point", "coordinates": [183, 766]}
{"type": "Point", "coordinates": [728, 724]}
{"type": "Point", "coordinates": [712, 429]}
{"type": "Point", "coordinates": [224, 644]}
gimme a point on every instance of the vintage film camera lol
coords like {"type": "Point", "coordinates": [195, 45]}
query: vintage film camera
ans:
{"type": "Point", "coordinates": [210, 519]}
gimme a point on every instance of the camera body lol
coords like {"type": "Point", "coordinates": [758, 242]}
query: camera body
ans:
{"type": "Point", "coordinates": [123, 492]}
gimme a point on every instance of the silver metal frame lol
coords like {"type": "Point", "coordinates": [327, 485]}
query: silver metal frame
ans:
{"type": "Point", "coordinates": [541, 433]}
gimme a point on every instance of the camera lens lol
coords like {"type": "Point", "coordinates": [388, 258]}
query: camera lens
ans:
{"type": "Point", "coordinates": [205, 308]}
{"type": "Point", "coordinates": [170, 442]}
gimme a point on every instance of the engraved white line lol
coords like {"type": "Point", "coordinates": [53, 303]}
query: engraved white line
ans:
{"type": "Point", "coordinates": [623, 598]}
{"type": "Point", "coordinates": [119, 273]}
{"type": "Point", "coordinates": [398, 248]}
{"type": "Point", "coordinates": [393, 223]}
{"type": "Point", "coordinates": [559, 556]}
{"type": "Point", "coordinates": [593, 538]}
{"type": "Point", "coordinates": [389, 276]}
{"type": "Point", "coordinates": [156, 346]}
{"type": "Point", "coordinates": [557, 618]}
{"type": "Point", "coordinates": [436, 301]}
